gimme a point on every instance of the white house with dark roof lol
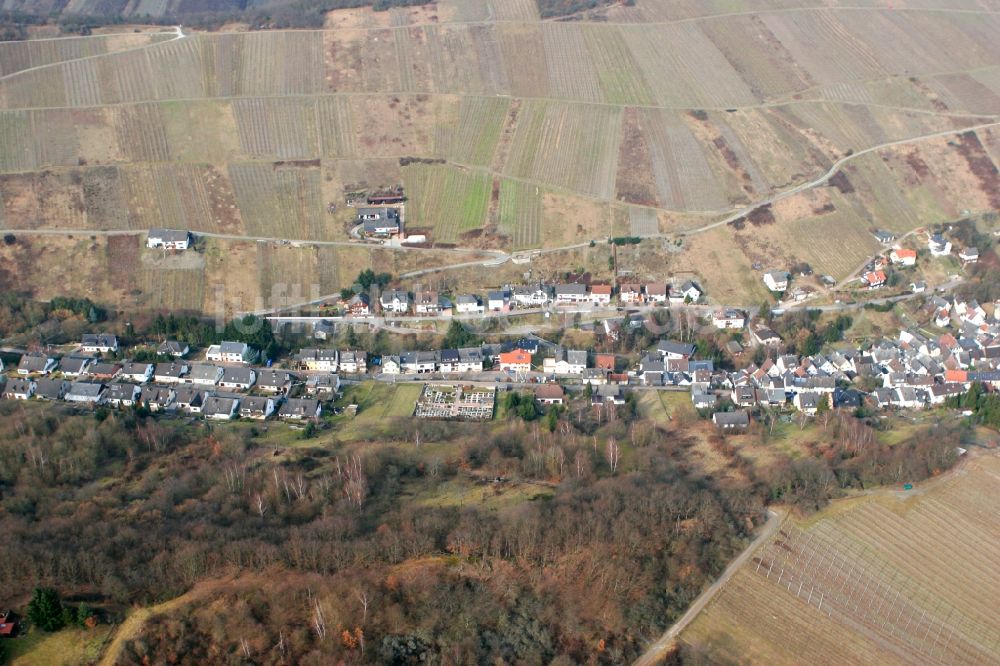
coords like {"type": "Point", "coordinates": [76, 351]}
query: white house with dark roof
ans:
{"type": "Point", "coordinates": [381, 221]}
{"type": "Point", "coordinates": [173, 348]}
{"type": "Point", "coordinates": [169, 373]}
{"type": "Point", "coordinates": [687, 292]}
{"type": "Point", "coordinates": [74, 366]}
{"type": "Point", "coordinates": [36, 364]}
{"type": "Point", "coordinates": [469, 304]}
{"type": "Point", "coordinates": [220, 408]}
{"type": "Point", "coordinates": [231, 352]}
{"type": "Point", "coordinates": [300, 409]}
{"type": "Point", "coordinates": [19, 389]}
{"type": "Point", "coordinates": [776, 280]}
{"type": "Point", "coordinates": [99, 343]}
{"type": "Point", "coordinates": [395, 301]}
{"type": "Point", "coordinates": [91, 393]}
{"type": "Point", "coordinates": [569, 294]}
{"type": "Point", "coordinates": [123, 394]}
{"type": "Point", "coordinates": [256, 407]}
{"type": "Point", "coordinates": [205, 374]}
{"type": "Point", "coordinates": [169, 239]}
{"type": "Point", "coordinates": [238, 378]}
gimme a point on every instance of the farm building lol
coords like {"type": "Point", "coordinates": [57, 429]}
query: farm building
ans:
{"type": "Point", "coordinates": [379, 221]}
{"type": "Point", "coordinates": [169, 239]}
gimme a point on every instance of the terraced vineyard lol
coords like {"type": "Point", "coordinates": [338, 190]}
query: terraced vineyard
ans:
{"type": "Point", "coordinates": [892, 579]}
{"type": "Point", "coordinates": [686, 110]}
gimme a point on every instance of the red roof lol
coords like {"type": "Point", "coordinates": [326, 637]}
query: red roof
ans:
{"type": "Point", "coordinates": [604, 289]}
{"type": "Point", "coordinates": [604, 361]}
{"type": "Point", "coordinates": [549, 392]}
{"type": "Point", "coordinates": [905, 253]}
{"type": "Point", "coordinates": [960, 376]}
{"type": "Point", "coordinates": [515, 357]}
{"type": "Point", "coordinates": [7, 628]}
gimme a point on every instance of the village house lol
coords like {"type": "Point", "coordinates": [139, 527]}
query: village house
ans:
{"type": "Point", "coordinates": [189, 398]}
{"type": "Point", "coordinates": [353, 362]}
{"type": "Point", "coordinates": [969, 255]}
{"type": "Point", "coordinates": [703, 400]}
{"type": "Point", "coordinates": [169, 373]}
{"type": "Point", "coordinates": [497, 301]}
{"type": "Point", "coordinates": [220, 408]}
{"type": "Point", "coordinates": [600, 294]}
{"type": "Point", "coordinates": [428, 303]}
{"type": "Point", "coordinates": [516, 360]}
{"type": "Point", "coordinates": [47, 388]}
{"type": "Point", "coordinates": [531, 296]}
{"type": "Point", "coordinates": [204, 374]}
{"type": "Point", "coordinates": [238, 378]}
{"type": "Point", "coordinates": [91, 393]}
{"type": "Point", "coordinates": [391, 364]}
{"type": "Point", "coordinates": [688, 292]}
{"type": "Point", "coordinates": [317, 360]}
{"type": "Point", "coordinates": [569, 294]}
{"type": "Point", "coordinates": [669, 349]}
{"type": "Point", "coordinates": [274, 381]}
{"type": "Point", "coordinates": [731, 421]}
{"type": "Point", "coordinates": [776, 280]}
{"type": "Point", "coordinates": [359, 305]}
{"type": "Point", "coordinates": [123, 394]}
{"type": "Point", "coordinates": [168, 239]}
{"type": "Point", "coordinates": [173, 348]}
{"type": "Point", "coordinates": [656, 292]}
{"type": "Point", "coordinates": [104, 371]}
{"type": "Point", "coordinates": [725, 319]}
{"type": "Point", "coordinates": [323, 330]}
{"type": "Point", "coordinates": [918, 287]}
{"type": "Point", "coordinates": [630, 294]}
{"type": "Point", "coordinates": [605, 362]}
{"type": "Point", "coordinates": [256, 407]}
{"type": "Point", "coordinates": [19, 389]}
{"type": "Point", "coordinates": [299, 409]}
{"type": "Point", "coordinates": [323, 386]}
{"type": "Point", "coordinates": [607, 394]}
{"type": "Point", "coordinates": [231, 352]}
{"type": "Point", "coordinates": [874, 279]}
{"type": "Point", "coordinates": [903, 257]}
{"type": "Point", "coordinates": [550, 394]}
{"type": "Point", "coordinates": [136, 371]}
{"type": "Point", "coordinates": [469, 304]}
{"type": "Point", "coordinates": [379, 221]}
{"type": "Point", "coordinates": [594, 376]}
{"type": "Point", "coordinates": [807, 402]}
{"type": "Point", "coordinates": [565, 362]}
{"type": "Point", "coordinates": [36, 364]}
{"type": "Point", "coordinates": [418, 362]}
{"type": "Point", "coordinates": [938, 245]}
{"type": "Point", "coordinates": [762, 334]}
{"type": "Point", "coordinates": [156, 398]}
{"type": "Point", "coordinates": [74, 366]}
{"type": "Point", "coordinates": [468, 359]}
{"type": "Point", "coordinates": [395, 301]}
{"type": "Point", "coordinates": [99, 343]}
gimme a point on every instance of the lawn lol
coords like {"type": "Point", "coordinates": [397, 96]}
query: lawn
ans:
{"type": "Point", "coordinates": [62, 648]}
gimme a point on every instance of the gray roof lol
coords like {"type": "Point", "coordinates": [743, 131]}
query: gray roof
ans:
{"type": "Point", "coordinates": [576, 357]}
{"type": "Point", "coordinates": [155, 394]}
{"type": "Point", "coordinates": [254, 403]}
{"type": "Point", "coordinates": [204, 372]}
{"type": "Point", "coordinates": [738, 418]}
{"type": "Point", "coordinates": [671, 347]}
{"type": "Point", "coordinates": [170, 235]}
{"type": "Point", "coordinates": [300, 407]}
{"type": "Point", "coordinates": [273, 378]}
{"type": "Point", "coordinates": [238, 376]}
{"type": "Point", "coordinates": [169, 369]}
{"type": "Point", "coordinates": [86, 389]}
{"type": "Point", "coordinates": [133, 368]}
{"type": "Point", "coordinates": [50, 388]}
{"type": "Point", "coordinates": [384, 218]}
{"type": "Point", "coordinates": [219, 405]}
{"type": "Point", "coordinates": [99, 340]}
{"type": "Point", "coordinates": [33, 362]}
{"type": "Point", "coordinates": [18, 386]}
{"type": "Point", "coordinates": [74, 365]}
{"type": "Point", "coordinates": [122, 391]}
{"type": "Point", "coordinates": [171, 347]}
{"type": "Point", "coordinates": [233, 347]}
{"type": "Point", "coordinates": [467, 299]}
{"type": "Point", "coordinates": [188, 395]}
{"type": "Point", "coordinates": [103, 369]}
{"type": "Point", "coordinates": [571, 289]}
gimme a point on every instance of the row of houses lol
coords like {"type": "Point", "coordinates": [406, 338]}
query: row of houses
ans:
{"type": "Point", "coordinates": [398, 301]}
{"type": "Point", "coordinates": [182, 398]}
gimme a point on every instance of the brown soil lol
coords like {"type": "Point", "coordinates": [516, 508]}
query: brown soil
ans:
{"type": "Point", "coordinates": [980, 164]}
{"type": "Point", "coordinates": [841, 182]}
{"type": "Point", "coordinates": [634, 182]}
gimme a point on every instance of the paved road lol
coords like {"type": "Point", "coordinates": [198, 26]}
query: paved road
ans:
{"type": "Point", "coordinates": [655, 653]}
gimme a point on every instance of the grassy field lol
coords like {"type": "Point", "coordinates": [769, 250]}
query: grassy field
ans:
{"type": "Point", "coordinates": [69, 647]}
{"type": "Point", "coordinates": [376, 402]}
{"type": "Point", "coordinates": [895, 577]}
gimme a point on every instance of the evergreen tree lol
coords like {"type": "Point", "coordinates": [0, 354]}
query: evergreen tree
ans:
{"type": "Point", "coordinates": [45, 610]}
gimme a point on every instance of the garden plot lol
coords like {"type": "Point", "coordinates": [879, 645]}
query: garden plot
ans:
{"type": "Point", "coordinates": [573, 146]}
{"type": "Point", "coordinates": [447, 200]}
{"type": "Point", "coordinates": [520, 213]}
{"type": "Point", "coordinates": [279, 202]}
{"type": "Point", "coordinates": [281, 128]}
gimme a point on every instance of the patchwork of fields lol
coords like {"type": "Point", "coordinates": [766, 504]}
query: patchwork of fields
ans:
{"type": "Point", "coordinates": [889, 579]}
{"type": "Point", "coordinates": [527, 133]}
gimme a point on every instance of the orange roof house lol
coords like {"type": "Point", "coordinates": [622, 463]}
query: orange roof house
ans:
{"type": "Point", "coordinates": [517, 359]}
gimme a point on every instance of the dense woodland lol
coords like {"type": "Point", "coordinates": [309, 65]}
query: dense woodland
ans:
{"type": "Point", "coordinates": [338, 551]}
